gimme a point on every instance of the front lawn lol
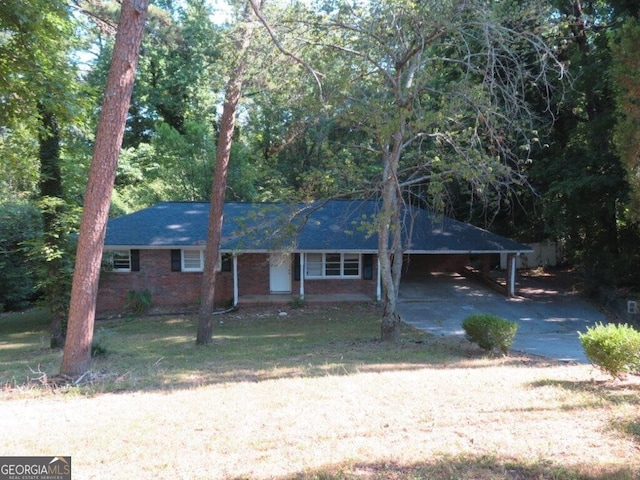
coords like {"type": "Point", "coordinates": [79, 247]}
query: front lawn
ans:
{"type": "Point", "coordinates": [312, 394]}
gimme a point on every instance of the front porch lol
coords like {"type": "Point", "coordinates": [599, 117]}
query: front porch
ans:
{"type": "Point", "coordinates": [309, 298]}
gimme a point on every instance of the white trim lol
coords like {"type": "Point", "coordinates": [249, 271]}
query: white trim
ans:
{"type": "Point", "coordinates": [512, 277]}
{"type": "Point", "coordinates": [235, 280]}
{"type": "Point", "coordinates": [463, 252]}
{"type": "Point", "coordinates": [379, 282]}
{"type": "Point", "coordinates": [362, 252]}
{"type": "Point", "coordinates": [302, 257]}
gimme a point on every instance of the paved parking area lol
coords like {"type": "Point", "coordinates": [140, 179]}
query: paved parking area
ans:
{"type": "Point", "coordinates": [549, 317]}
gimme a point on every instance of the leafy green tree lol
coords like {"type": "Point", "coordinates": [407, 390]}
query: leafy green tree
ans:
{"type": "Point", "coordinates": [626, 72]}
{"type": "Point", "coordinates": [441, 90]}
{"type": "Point", "coordinates": [54, 277]}
{"type": "Point", "coordinates": [169, 142]}
{"type": "Point", "coordinates": [20, 221]}
{"type": "Point", "coordinates": [50, 256]}
{"type": "Point", "coordinates": [178, 79]}
{"type": "Point", "coordinates": [42, 97]}
{"type": "Point", "coordinates": [302, 152]}
{"type": "Point", "coordinates": [19, 172]}
{"type": "Point", "coordinates": [581, 190]}
{"type": "Point", "coordinates": [173, 165]}
{"type": "Point", "coordinates": [31, 36]}
{"type": "Point", "coordinates": [38, 89]}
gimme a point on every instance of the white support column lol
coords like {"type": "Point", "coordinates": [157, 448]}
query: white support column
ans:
{"type": "Point", "coordinates": [379, 282]}
{"type": "Point", "coordinates": [511, 290]}
{"type": "Point", "coordinates": [301, 276]}
{"type": "Point", "coordinates": [235, 280]}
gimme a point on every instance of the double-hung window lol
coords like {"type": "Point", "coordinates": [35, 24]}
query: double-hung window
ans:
{"type": "Point", "coordinates": [192, 260]}
{"type": "Point", "coordinates": [121, 260]}
{"type": "Point", "coordinates": [332, 265]}
{"type": "Point", "coordinates": [350, 265]}
{"type": "Point", "coordinates": [314, 265]}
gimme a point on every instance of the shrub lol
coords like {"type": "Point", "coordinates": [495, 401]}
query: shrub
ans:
{"type": "Point", "coordinates": [613, 348]}
{"type": "Point", "coordinates": [298, 302]}
{"type": "Point", "coordinates": [98, 348]}
{"type": "Point", "coordinates": [490, 331]}
{"type": "Point", "coordinates": [139, 302]}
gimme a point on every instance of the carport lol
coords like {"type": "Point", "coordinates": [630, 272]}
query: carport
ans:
{"type": "Point", "coordinates": [439, 244]}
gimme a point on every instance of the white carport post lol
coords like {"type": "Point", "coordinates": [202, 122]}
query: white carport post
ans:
{"type": "Point", "coordinates": [511, 270]}
{"type": "Point", "coordinates": [235, 280]}
{"type": "Point", "coordinates": [301, 276]}
{"type": "Point", "coordinates": [379, 283]}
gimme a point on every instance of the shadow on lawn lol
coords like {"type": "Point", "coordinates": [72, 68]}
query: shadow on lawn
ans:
{"type": "Point", "coordinates": [159, 353]}
{"type": "Point", "coordinates": [467, 468]}
{"type": "Point", "coordinates": [187, 366]}
{"type": "Point", "coordinates": [162, 373]}
{"type": "Point", "coordinates": [613, 391]}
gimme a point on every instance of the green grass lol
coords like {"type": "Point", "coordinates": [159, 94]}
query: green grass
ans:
{"type": "Point", "coordinates": [310, 395]}
{"type": "Point", "coordinates": [160, 352]}
{"type": "Point", "coordinates": [24, 347]}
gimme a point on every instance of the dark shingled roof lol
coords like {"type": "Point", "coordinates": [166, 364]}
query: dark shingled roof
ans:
{"type": "Point", "coordinates": [335, 225]}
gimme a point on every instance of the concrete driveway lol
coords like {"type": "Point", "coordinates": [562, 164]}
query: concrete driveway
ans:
{"type": "Point", "coordinates": [549, 318]}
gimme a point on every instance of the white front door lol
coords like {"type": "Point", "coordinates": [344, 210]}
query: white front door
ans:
{"type": "Point", "coordinates": [280, 273]}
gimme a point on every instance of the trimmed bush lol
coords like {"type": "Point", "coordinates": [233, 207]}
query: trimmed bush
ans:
{"type": "Point", "coordinates": [613, 348]}
{"type": "Point", "coordinates": [490, 332]}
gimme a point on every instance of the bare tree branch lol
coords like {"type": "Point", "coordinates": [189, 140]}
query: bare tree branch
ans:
{"type": "Point", "coordinates": [91, 9]}
{"type": "Point", "coordinates": [314, 73]}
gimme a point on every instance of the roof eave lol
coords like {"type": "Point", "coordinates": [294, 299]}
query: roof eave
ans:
{"type": "Point", "coordinates": [467, 252]}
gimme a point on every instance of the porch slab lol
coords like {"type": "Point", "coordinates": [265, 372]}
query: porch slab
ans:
{"type": "Point", "coordinates": [286, 298]}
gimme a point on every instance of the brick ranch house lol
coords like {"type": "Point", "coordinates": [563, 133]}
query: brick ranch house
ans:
{"type": "Point", "coordinates": [320, 250]}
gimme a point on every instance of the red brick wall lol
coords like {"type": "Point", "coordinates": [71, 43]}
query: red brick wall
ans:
{"type": "Point", "coordinates": [253, 279]}
{"type": "Point", "coordinates": [168, 289]}
{"type": "Point", "coordinates": [253, 274]}
{"type": "Point", "coordinates": [337, 285]}
{"type": "Point", "coordinates": [178, 289]}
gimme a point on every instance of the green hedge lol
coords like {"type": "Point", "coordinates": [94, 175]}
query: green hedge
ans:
{"type": "Point", "coordinates": [613, 348]}
{"type": "Point", "coordinates": [490, 331]}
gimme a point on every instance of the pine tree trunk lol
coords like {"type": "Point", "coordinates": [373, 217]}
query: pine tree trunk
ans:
{"type": "Point", "coordinates": [117, 97]}
{"type": "Point", "coordinates": [219, 187]}
{"type": "Point", "coordinates": [205, 320]}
